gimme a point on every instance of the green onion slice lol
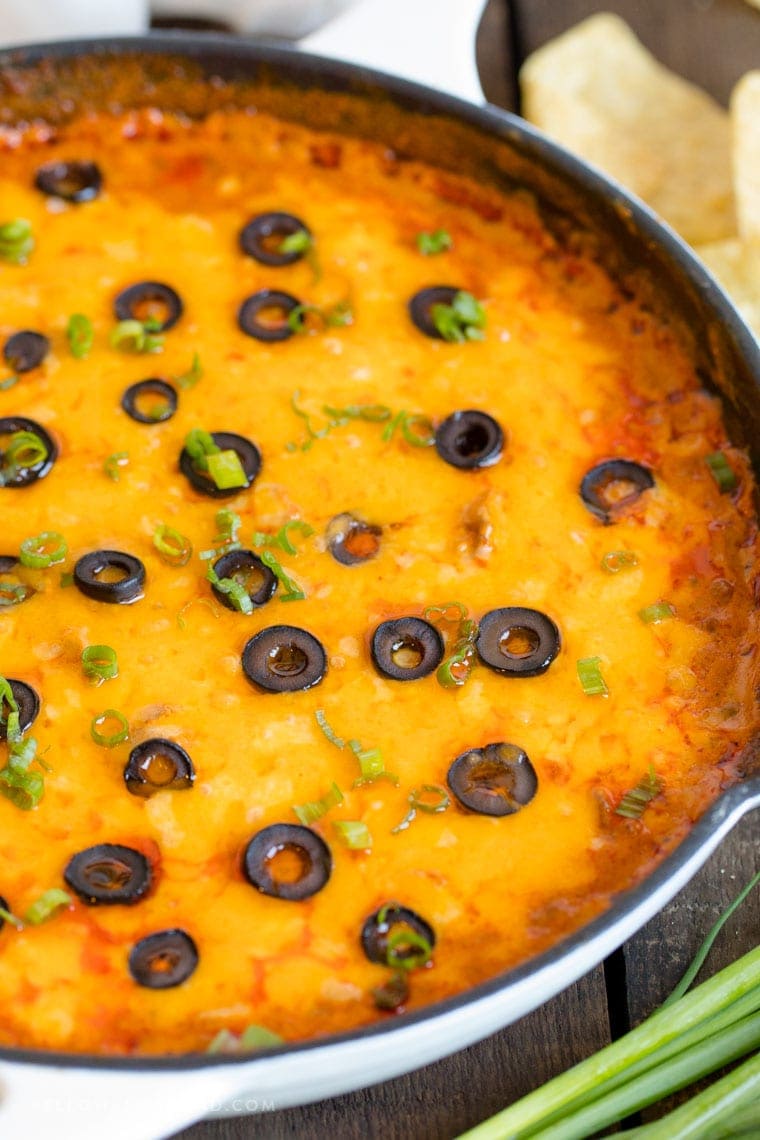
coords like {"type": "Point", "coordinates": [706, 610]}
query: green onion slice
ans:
{"type": "Point", "coordinates": [234, 590]}
{"type": "Point", "coordinates": [616, 560]}
{"type": "Point", "coordinates": [43, 550]}
{"type": "Point", "coordinates": [9, 382]}
{"type": "Point", "coordinates": [353, 833]}
{"type": "Point", "coordinates": [660, 611]}
{"type": "Point", "coordinates": [46, 906]}
{"type": "Point", "coordinates": [430, 798]}
{"type": "Point", "coordinates": [173, 547]}
{"type": "Point", "coordinates": [721, 471]}
{"type": "Point", "coordinates": [99, 663]}
{"type": "Point", "coordinates": [636, 799]}
{"type": "Point", "coordinates": [226, 470]}
{"type": "Point", "coordinates": [313, 810]}
{"type": "Point", "coordinates": [113, 463]}
{"type": "Point", "coordinates": [407, 950]}
{"type": "Point", "coordinates": [194, 373]}
{"type": "Point", "coordinates": [464, 319]}
{"type": "Point", "coordinates": [109, 739]}
{"type": "Point", "coordinates": [332, 736]}
{"type": "Point", "coordinates": [298, 242]}
{"type": "Point", "coordinates": [16, 241]}
{"type": "Point", "coordinates": [371, 765]}
{"type": "Point", "coordinates": [24, 789]}
{"type": "Point", "coordinates": [137, 336]}
{"type": "Point", "coordinates": [590, 677]}
{"type": "Point", "coordinates": [252, 1037]}
{"type": "Point", "coordinates": [11, 720]}
{"type": "Point", "coordinates": [14, 593]}
{"type": "Point", "coordinates": [438, 241]}
{"type": "Point", "coordinates": [199, 445]}
{"type": "Point", "coordinates": [282, 539]}
{"type": "Point", "coordinates": [25, 449]}
{"type": "Point", "coordinates": [81, 334]}
{"type": "Point", "coordinates": [293, 592]}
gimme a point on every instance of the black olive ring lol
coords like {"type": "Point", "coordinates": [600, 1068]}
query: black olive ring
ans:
{"type": "Point", "coordinates": [310, 849]}
{"type": "Point", "coordinates": [164, 959]}
{"type": "Point", "coordinates": [534, 636]}
{"type": "Point", "coordinates": [596, 483]}
{"type": "Point", "coordinates": [386, 920]}
{"type": "Point", "coordinates": [248, 315]}
{"type": "Point", "coordinates": [254, 238]}
{"type": "Point", "coordinates": [421, 305]}
{"type": "Point", "coordinates": [247, 452]}
{"type": "Point", "coordinates": [244, 566]}
{"type": "Point", "coordinates": [28, 702]}
{"type": "Point", "coordinates": [127, 304]}
{"type": "Point", "coordinates": [158, 765]}
{"type": "Point", "coordinates": [284, 659]}
{"type": "Point", "coordinates": [469, 439]}
{"type": "Point", "coordinates": [351, 540]}
{"type": "Point", "coordinates": [24, 476]}
{"type": "Point", "coordinates": [498, 779]}
{"type": "Point", "coordinates": [153, 386]}
{"type": "Point", "coordinates": [122, 592]}
{"type": "Point", "coordinates": [25, 350]}
{"type": "Point", "coordinates": [410, 636]}
{"type": "Point", "coordinates": [108, 873]}
{"type": "Point", "coordinates": [73, 181]}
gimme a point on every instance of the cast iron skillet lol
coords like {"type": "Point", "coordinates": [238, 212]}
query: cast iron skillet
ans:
{"type": "Point", "coordinates": [147, 1097]}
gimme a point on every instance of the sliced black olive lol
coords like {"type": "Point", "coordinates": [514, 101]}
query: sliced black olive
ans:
{"type": "Point", "coordinates": [421, 305]}
{"type": "Point", "coordinates": [247, 452]}
{"type": "Point", "coordinates": [28, 702]}
{"type": "Point", "coordinates": [262, 236]}
{"type": "Point", "coordinates": [164, 959]}
{"type": "Point", "coordinates": [517, 641]}
{"type": "Point", "coordinates": [247, 569]}
{"type": "Point", "coordinates": [146, 300]}
{"type": "Point", "coordinates": [351, 540]}
{"type": "Point", "coordinates": [108, 873]}
{"type": "Point", "coordinates": [264, 315]}
{"type": "Point", "coordinates": [25, 350]}
{"type": "Point", "coordinates": [469, 439]}
{"type": "Point", "coordinates": [406, 648]}
{"type": "Point", "coordinates": [15, 474]}
{"type": "Point", "coordinates": [124, 581]}
{"type": "Point", "coordinates": [287, 861]}
{"type": "Point", "coordinates": [8, 563]}
{"type": "Point", "coordinates": [74, 181]}
{"type": "Point", "coordinates": [392, 921]}
{"type": "Point", "coordinates": [496, 780]}
{"type": "Point", "coordinates": [611, 486]}
{"type": "Point", "coordinates": [150, 401]}
{"type": "Point", "coordinates": [284, 659]}
{"type": "Point", "coordinates": [158, 765]}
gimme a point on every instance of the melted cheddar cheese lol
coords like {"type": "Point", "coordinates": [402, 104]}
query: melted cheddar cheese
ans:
{"type": "Point", "coordinates": [573, 370]}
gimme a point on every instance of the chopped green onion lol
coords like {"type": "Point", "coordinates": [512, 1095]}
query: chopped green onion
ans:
{"type": "Point", "coordinates": [464, 319]}
{"type": "Point", "coordinates": [321, 720]}
{"type": "Point", "coordinates": [394, 993]}
{"type": "Point", "coordinates": [23, 788]}
{"type": "Point", "coordinates": [658, 612]}
{"type": "Point", "coordinates": [173, 547]}
{"type": "Point", "coordinates": [417, 429]}
{"type": "Point", "coordinates": [113, 463]}
{"type": "Point", "coordinates": [371, 765]}
{"type": "Point", "coordinates": [443, 612]}
{"type": "Point", "coordinates": [354, 833]}
{"type": "Point", "coordinates": [721, 471]}
{"type": "Point", "coordinates": [370, 413]}
{"type": "Point", "coordinates": [226, 470]}
{"type": "Point", "coordinates": [9, 382]}
{"type": "Point", "coordinates": [334, 316]}
{"type": "Point", "coordinates": [137, 336]}
{"type": "Point", "coordinates": [438, 241]}
{"type": "Point", "coordinates": [298, 242]}
{"type": "Point", "coordinates": [233, 589]}
{"type": "Point", "coordinates": [25, 449]}
{"type": "Point", "coordinates": [407, 950]}
{"type": "Point", "coordinates": [293, 592]}
{"type": "Point", "coordinates": [252, 1037]}
{"type": "Point", "coordinates": [43, 550]}
{"type": "Point", "coordinates": [194, 373]}
{"type": "Point", "coordinates": [81, 334]}
{"type": "Point", "coordinates": [616, 560]}
{"type": "Point", "coordinates": [313, 810]}
{"type": "Point", "coordinates": [281, 539]}
{"type": "Point", "coordinates": [228, 524]}
{"type": "Point", "coordinates": [311, 432]}
{"type": "Point", "coordinates": [14, 593]}
{"type": "Point", "coordinates": [6, 916]}
{"type": "Point", "coordinates": [16, 241]}
{"type": "Point", "coordinates": [420, 800]}
{"type": "Point", "coordinates": [199, 445]}
{"type": "Point", "coordinates": [99, 663]}
{"type": "Point", "coordinates": [590, 677]}
{"type": "Point", "coordinates": [67, 580]}
{"type": "Point", "coordinates": [636, 799]}
{"type": "Point", "coordinates": [46, 906]}
{"type": "Point", "coordinates": [109, 739]}
{"type": "Point", "coordinates": [11, 721]}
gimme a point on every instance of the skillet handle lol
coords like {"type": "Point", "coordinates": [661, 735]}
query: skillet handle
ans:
{"type": "Point", "coordinates": [426, 41]}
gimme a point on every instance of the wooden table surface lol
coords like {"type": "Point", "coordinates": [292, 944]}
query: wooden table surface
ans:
{"type": "Point", "coordinates": [712, 42]}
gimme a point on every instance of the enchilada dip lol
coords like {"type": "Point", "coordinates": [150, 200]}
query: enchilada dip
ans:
{"type": "Point", "coordinates": [377, 592]}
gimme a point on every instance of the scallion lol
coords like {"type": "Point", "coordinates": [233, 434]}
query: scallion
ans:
{"type": "Point", "coordinates": [252, 1037]}
{"type": "Point", "coordinates": [99, 663]}
{"type": "Point", "coordinates": [371, 765]}
{"type": "Point", "coordinates": [721, 471]}
{"type": "Point", "coordinates": [113, 464]}
{"type": "Point", "coordinates": [81, 335]}
{"type": "Point", "coordinates": [332, 736]}
{"type": "Point", "coordinates": [43, 550]}
{"type": "Point", "coordinates": [282, 538]}
{"type": "Point", "coordinates": [14, 593]}
{"type": "Point", "coordinates": [11, 719]}
{"type": "Point", "coordinates": [293, 592]}
{"type": "Point", "coordinates": [590, 677]}
{"type": "Point", "coordinates": [24, 449]}
{"type": "Point", "coordinates": [6, 916]}
{"type": "Point", "coordinates": [24, 788]}
{"type": "Point", "coordinates": [430, 798]}
{"type": "Point", "coordinates": [46, 906]}
{"type": "Point", "coordinates": [226, 470]}
{"type": "Point", "coordinates": [464, 319]}
{"type": "Point", "coordinates": [636, 799]}
{"type": "Point", "coordinates": [659, 611]}
{"type": "Point", "coordinates": [16, 241]}
{"type": "Point", "coordinates": [189, 379]}
{"type": "Point", "coordinates": [614, 561]}
{"type": "Point", "coordinates": [234, 590]}
{"type": "Point", "coordinates": [173, 547]}
{"type": "Point", "coordinates": [298, 242]}
{"type": "Point", "coordinates": [353, 833]}
{"type": "Point", "coordinates": [438, 241]}
{"type": "Point", "coordinates": [417, 429]}
{"type": "Point", "coordinates": [313, 810]}
{"type": "Point", "coordinates": [137, 336]}
{"type": "Point", "coordinates": [109, 739]}
{"type": "Point", "coordinates": [8, 383]}
{"type": "Point", "coordinates": [407, 950]}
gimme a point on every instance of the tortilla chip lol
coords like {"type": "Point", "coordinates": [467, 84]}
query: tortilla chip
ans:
{"type": "Point", "coordinates": [737, 267]}
{"type": "Point", "coordinates": [600, 93]}
{"type": "Point", "coordinates": [745, 125]}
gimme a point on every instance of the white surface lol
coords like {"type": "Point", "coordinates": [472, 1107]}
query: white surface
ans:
{"type": "Point", "coordinates": [291, 18]}
{"type": "Point", "coordinates": [24, 21]}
